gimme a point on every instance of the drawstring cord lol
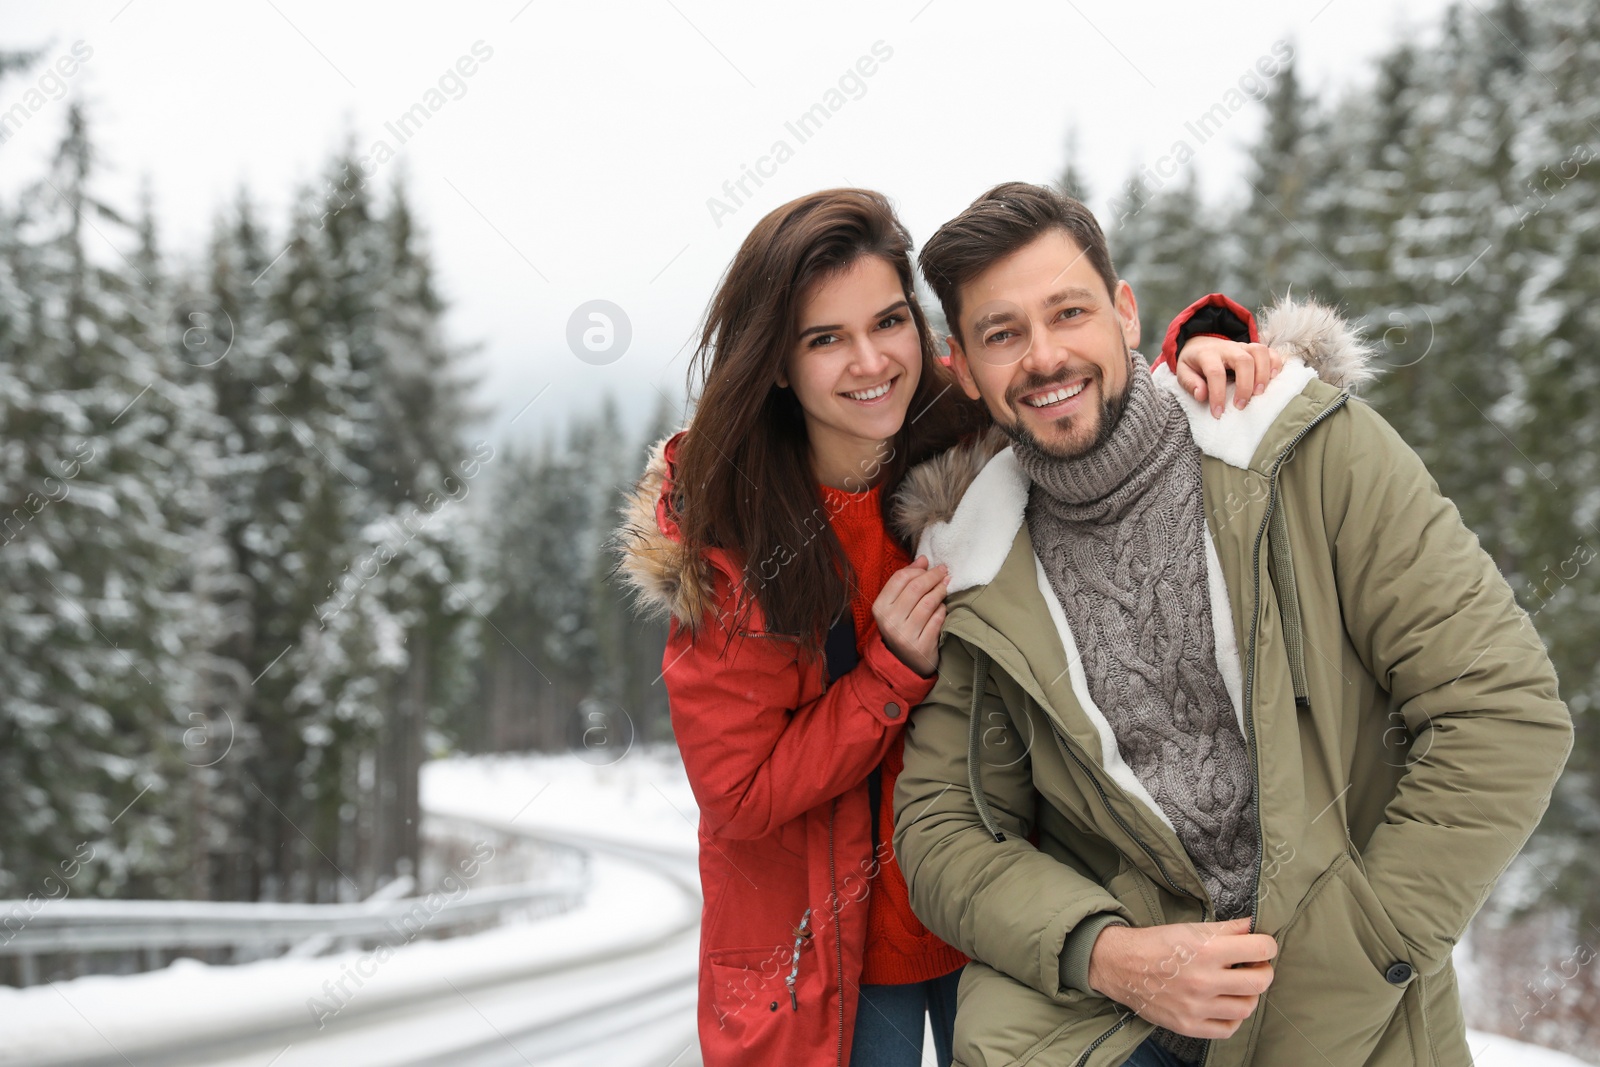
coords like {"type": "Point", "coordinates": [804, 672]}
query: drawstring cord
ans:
{"type": "Point", "coordinates": [980, 681]}
{"type": "Point", "coordinates": [800, 936]}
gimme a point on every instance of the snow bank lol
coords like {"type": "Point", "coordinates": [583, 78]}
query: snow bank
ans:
{"type": "Point", "coordinates": [642, 799]}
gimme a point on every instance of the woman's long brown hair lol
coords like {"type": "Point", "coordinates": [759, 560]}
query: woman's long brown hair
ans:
{"type": "Point", "coordinates": [743, 475]}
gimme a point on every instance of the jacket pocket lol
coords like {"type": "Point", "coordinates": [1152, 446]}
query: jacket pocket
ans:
{"type": "Point", "coordinates": [750, 1010]}
{"type": "Point", "coordinates": [1001, 1022]}
{"type": "Point", "coordinates": [791, 837]}
{"type": "Point", "coordinates": [1389, 948]}
{"type": "Point", "coordinates": [1332, 998]}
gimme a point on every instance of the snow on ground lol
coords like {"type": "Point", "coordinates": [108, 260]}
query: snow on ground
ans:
{"type": "Point", "coordinates": [1492, 1050]}
{"type": "Point", "coordinates": [641, 799]}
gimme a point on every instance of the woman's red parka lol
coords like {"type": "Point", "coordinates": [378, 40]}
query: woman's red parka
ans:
{"type": "Point", "coordinates": [778, 760]}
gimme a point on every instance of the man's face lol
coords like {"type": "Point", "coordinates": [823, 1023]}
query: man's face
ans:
{"type": "Point", "coordinates": [1046, 346]}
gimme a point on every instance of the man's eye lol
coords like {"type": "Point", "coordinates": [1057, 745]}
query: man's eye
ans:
{"type": "Point", "coordinates": [1069, 313]}
{"type": "Point", "coordinates": [999, 337]}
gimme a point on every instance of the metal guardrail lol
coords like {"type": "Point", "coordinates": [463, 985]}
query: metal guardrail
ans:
{"type": "Point", "coordinates": [109, 925]}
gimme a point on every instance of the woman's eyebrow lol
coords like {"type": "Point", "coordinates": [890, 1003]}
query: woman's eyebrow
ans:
{"type": "Point", "coordinates": [828, 329]}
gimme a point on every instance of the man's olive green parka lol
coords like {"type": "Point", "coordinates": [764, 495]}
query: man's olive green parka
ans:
{"type": "Point", "coordinates": [1395, 780]}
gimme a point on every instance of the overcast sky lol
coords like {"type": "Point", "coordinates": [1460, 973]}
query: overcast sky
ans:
{"type": "Point", "coordinates": [584, 157]}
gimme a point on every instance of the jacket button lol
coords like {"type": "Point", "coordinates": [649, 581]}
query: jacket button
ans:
{"type": "Point", "coordinates": [1398, 973]}
{"type": "Point", "coordinates": [773, 1006]}
{"type": "Point", "coordinates": [892, 710]}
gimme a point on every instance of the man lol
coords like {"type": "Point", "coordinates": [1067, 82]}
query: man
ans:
{"type": "Point", "coordinates": [1236, 725]}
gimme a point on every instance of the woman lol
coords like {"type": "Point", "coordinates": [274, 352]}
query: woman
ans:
{"type": "Point", "coordinates": [802, 634]}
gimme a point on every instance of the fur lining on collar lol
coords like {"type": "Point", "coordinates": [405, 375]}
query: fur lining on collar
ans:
{"type": "Point", "coordinates": [1235, 437]}
{"type": "Point", "coordinates": [666, 583]}
{"type": "Point", "coordinates": [975, 541]}
{"type": "Point", "coordinates": [931, 490]}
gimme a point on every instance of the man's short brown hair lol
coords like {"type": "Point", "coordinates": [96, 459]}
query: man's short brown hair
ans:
{"type": "Point", "coordinates": [998, 223]}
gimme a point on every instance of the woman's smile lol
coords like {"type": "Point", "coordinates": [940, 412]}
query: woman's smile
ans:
{"type": "Point", "coordinates": [876, 394]}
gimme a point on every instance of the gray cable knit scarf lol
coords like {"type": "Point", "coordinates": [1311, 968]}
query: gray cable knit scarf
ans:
{"type": "Point", "coordinates": [1120, 533]}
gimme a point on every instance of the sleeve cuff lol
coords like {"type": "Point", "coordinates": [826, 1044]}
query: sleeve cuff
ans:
{"type": "Point", "coordinates": [1212, 314]}
{"type": "Point", "coordinates": [1074, 965]}
{"type": "Point", "coordinates": [899, 688]}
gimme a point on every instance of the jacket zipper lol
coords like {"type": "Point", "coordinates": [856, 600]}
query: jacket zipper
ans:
{"type": "Point", "coordinates": [1102, 1039]}
{"type": "Point", "coordinates": [1250, 660]}
{"type": "Point", "coordinates": [1255, 626]}
{"type": "Point", "coordinates": [838, 939]}
{"type": "Point", "coordinates": [1066, 747]}
{"type": "Point", "coordinates": [1104, 799]}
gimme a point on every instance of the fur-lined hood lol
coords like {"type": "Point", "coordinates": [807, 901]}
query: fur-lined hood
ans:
{"type": "Point", "coordinates": [667, 584]}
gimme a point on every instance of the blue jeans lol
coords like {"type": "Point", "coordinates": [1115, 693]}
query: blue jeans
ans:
{"type": "Point", "coordinates": [889, 1022]}
{"type": "Point", "coordinates": [1151, 1054]}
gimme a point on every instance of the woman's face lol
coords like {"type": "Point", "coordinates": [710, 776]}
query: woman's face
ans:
{"type": "Point", "coordinates": [854, 365]}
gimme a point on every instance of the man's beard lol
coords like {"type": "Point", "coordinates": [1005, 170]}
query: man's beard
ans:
{"type": "Point", "coordinates": [1111, 408]}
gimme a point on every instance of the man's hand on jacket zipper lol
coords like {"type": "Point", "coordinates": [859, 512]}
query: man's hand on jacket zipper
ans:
{"type": "Point", "coordinates": [1195, 979]}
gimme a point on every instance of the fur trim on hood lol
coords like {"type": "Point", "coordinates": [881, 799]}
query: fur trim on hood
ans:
{"type": "Point", "coordinates": [1322, 337]}
{"type": "Point", "coordinates": [665, 582]}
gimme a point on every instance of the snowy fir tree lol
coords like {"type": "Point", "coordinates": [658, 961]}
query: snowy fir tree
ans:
{"type": "Point", "coordinates": [349, 465]}
{"type": "Point", "coordinates": [102, 508]}
{"type": "Point", "coordinates": [1161, 242]}
{"type": "Point", "coordinates": [566, 663]}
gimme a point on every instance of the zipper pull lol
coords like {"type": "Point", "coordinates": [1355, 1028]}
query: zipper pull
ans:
{"type": "Point", "coordinates": [794, 1002]}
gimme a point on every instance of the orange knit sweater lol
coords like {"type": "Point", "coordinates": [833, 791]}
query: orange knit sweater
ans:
{"type": "Point", "coordinates": [899, 948]}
